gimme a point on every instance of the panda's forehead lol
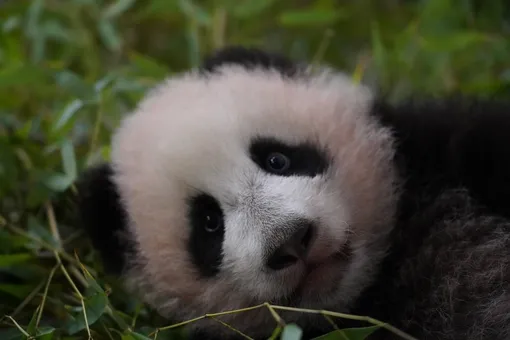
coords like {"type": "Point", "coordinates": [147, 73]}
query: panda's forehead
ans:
{"type": "Point", "coordinates": [190, 128]}
{"type": "Point", "coordinates": [236, 106]}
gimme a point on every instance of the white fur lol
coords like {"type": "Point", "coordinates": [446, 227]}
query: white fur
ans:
{"type": "Point", "coordinates": [191, 134]}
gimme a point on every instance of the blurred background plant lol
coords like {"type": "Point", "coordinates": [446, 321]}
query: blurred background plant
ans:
{"type": "Point", "coordinates": [69, 69]}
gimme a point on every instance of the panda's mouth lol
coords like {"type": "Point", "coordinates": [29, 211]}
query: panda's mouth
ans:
{"type": "Point", "coordinates": [314, 271]}
{"type": "Point", "coordinates": [316, 276]}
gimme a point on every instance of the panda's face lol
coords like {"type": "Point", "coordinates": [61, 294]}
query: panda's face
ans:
{"type": "Point", "coordinates": [248, 187]}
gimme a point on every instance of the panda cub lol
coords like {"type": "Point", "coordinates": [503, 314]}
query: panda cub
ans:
{"type": "Point", "coordinates": [256, 179]}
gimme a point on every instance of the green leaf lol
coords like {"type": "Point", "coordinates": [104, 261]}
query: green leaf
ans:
{"type": "Point", "coordinates": [86, 2]}
{"type": "Point", "coordinates": [69, 160]}
{"type": "Point", "coordinates": [94, 287]}
{"type": "Point", "coordinates": [276, 333]}
{"type": "Point", "coordinates": [158, 8]}
{"type": "Point", "coordinates": [11, 334]}
{"type": "Point", "coordinates": [37, 195]}
{"type": "Point", "coordinates": [291, 332]}
{"type": "Point", "coordinates": [38, 231]}
{"type": "Point", "coordinates": [11, 259]}
{"type": "Point", "coordinates": [95, 306]}
{"type": "Point", "coordinates": [25, 130]}
{"type": "Point", "coordinates": [310, 17]}
{"type": "Point", "coordinates": [102, 83]}
{"type": "Point", "coordinates": [454, 41]}
{"type": "Point", "coordinates": [35, 31]}
{"type": "Point", "coordinates": [193, 37]}
{"type": "Point", "coordinates": [505, 76]}
{"type": "Point", "coordinates": [378, 49]}
{"type": "Point", "coordinates": [195, 12]}
{"type": "Point", "coordinates": [360, 333]}
{"type": "Point", "coordinates": [67, 114]}
{"type": "Point", "coordinates": [72, 83]}
{"type": "Point", "coordinates": [34, 12]}
{"type": "Point", "coordinates": [148, 67]}
{"type": "Point", "coordinates": [119, 317]}
{"type": "Point", "coordinates": [10, 242]}
{"type": "Point", "coordinates": [117, 8]}
{"type": "Point", "coordinates": [31, 326]}
{"type": "Point", "coordinates": [45, 333]}
{"type": "Point", "coordinates": [55, 30]}
{"type": "Point", "coordinates": [20, 75]}
{"type": "Point", "coordinates": [130, 335]}
{"type": "Point", "coordinates": [334, 335]}
{"type": "Point", "coordinates": [59, 182]}
{"type": "Point", "coordinates": [250, 8]}
{"type": "Point", "coordinates": [109, 35]}
{"type": "Point", "coordinates": [18, 290]}
{"type": "Point", "coordinates": [11, 23]}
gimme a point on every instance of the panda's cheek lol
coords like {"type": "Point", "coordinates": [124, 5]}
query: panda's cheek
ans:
{"type": "Point", "coordinates": [242, 245]}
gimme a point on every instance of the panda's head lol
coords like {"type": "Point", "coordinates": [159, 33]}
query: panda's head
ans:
{"type": "Point", "coordinates": [249, 180]}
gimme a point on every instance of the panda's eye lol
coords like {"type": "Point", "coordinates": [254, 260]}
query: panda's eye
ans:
{"type": "Point", "coordinates": [213, 222]}
{"type": "Point", "coordinates": [277, 163]}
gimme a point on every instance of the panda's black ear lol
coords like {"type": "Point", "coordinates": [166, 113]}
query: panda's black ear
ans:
{"type": "Point", "coordinates": [102, 215]}
{"type": "Point", "coordinates": [248, 58]}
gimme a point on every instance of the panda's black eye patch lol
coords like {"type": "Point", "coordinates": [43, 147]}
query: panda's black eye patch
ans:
{"type": "Point", "coordinates": [207, 233]}
{"type": "Point", "coordinates": [281, 159]}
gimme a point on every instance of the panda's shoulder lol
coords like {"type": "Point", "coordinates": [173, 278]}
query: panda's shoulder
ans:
{"type": "Point", "coordinates": [455, 141]}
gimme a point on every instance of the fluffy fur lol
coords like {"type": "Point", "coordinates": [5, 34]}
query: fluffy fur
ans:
{"type": "Point", "coordinates": [408, 203]}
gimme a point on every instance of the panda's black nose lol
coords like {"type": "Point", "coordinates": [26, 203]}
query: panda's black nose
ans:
{"type": "Point", "coordinates": [295, 248]}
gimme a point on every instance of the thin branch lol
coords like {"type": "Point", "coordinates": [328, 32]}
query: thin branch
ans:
{"type": "Point", "coordinates": [56, 235]}
{"type": "Point", "coordinates": [45, 294]}
{"type": "Point", "coordinates": [350, 317]}
{"type": "Point", "coordinates": [19, 327]}
{"type": "Point", "coordinates": [209, 316]}
{"type": "Point", "coordinates": [232, 328]}
{"type": "Point", "coordinates": [280, 321]}
{"type": "Point", "coordinates": [275, 315]}
{"type": "Point", "coordinates": [28, 299]}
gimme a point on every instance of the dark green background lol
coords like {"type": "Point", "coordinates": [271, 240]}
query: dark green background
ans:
{"type": "Point", "coordinates": [69, 69]}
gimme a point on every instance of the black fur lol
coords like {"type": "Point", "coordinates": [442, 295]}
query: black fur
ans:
{"type": "Point", "coordinates": [449, 143]}
{"type": "Point", "coordinates": [205, 246]}
{"type": "Point", "coordinates": [447, 275]}
{"type": "Point", "coordinates": [248, 58]}
{"type": "Point", "coordinates": [102, 215]}
{"type": "Point", "coordinates": [482, 155]}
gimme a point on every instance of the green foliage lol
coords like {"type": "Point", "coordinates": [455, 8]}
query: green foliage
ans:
{"type": "Point", "coordinates": [69, 70]}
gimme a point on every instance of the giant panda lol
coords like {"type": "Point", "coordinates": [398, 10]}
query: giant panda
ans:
{"type": "Point", "coordinates": [254, 178]}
